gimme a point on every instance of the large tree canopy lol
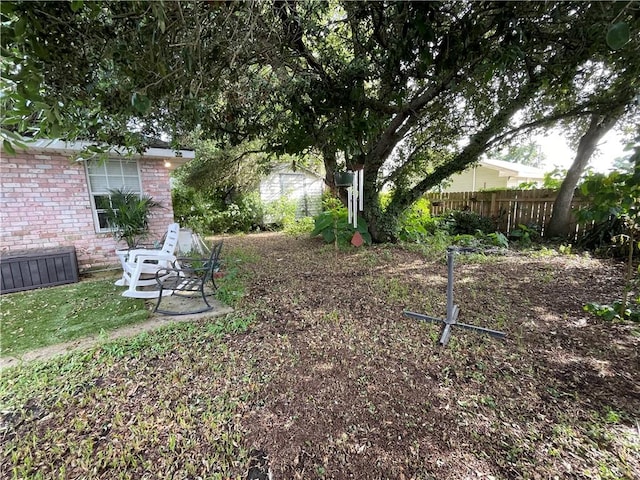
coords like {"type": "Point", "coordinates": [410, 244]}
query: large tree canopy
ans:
{"type": "Point", "coordinates": [410, 91]}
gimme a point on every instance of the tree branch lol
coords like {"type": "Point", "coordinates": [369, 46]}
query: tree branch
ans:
{"type": "Point", "coordinates": [470, 153]}
{"type": "Point", "coordinates": [585, 109]}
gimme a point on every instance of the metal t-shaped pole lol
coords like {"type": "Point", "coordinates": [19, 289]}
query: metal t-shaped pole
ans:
{"type": "Point", "coordinates": [452, 309]}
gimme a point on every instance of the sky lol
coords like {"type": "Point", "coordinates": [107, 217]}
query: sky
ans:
{"type": "Point", "coordinates": [558, 153]}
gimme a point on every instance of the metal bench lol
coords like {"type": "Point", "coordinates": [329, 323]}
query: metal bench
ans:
{"type": "Point", "coordinates": [189, 278]}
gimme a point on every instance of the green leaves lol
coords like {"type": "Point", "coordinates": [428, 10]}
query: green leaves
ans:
{"type": "Point", "coordinates": [10, 139]}
{"type": "Point", "coordinates": [19, 27]}
{"type": "Point", "coordinates": [334, 227]}
{"type": "Point", "coordinates": [323, 222]}
{"type": "Point", "coordinates": [615, 195]}
{"type": "Point", "coordinates": [612, 312]}
{"type": "Point", "coordinates": [140, 102]}
{"type": "Point", "coordinates": [618, 35]}
{"type": "Point", "coordinates": [7, 8]}
{"type": "Point", "coordinates": [76, 5]}
{"type": "Point", "coordinates": [8, 147]}
{"type": "Point", "coordinates": [129, 215]}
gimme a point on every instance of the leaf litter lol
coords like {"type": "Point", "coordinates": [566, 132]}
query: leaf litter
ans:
{"type": "Point", "coordinates": [330, 380]}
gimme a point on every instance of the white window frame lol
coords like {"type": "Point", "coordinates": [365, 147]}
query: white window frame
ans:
{"type": "Point", "coordinates": [114, 176]}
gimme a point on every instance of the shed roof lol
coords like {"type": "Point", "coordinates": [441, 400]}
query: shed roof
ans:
{"type": "Point", "coordinates": [299, 168]}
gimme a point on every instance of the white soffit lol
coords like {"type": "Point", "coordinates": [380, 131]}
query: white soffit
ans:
{"type": "Point", "coordinates": [76, 147]}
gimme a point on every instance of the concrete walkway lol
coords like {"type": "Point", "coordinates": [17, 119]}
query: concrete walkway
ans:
{"type": "Point", "coordinates": [156, 321]}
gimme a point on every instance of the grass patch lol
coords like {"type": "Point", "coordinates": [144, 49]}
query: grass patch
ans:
{"type": "Point", "coordinates": [48, 316]}
{"type": "Point", "coordinates": [393, 288]}
{"type": "Point", "coordinates": [163, 404]}
{"type": "Point", "coordinates": [234, 256]}
{"type": "Point", "coordinates": [232, 286]}
{"type": "Point", "coordinates": [38, 318]}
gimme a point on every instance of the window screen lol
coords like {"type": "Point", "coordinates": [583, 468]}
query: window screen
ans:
{"type": "Point", "coordinates": [104, 176]}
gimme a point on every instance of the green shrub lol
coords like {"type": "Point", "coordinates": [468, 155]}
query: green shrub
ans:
{"type": "Point", "coordinates": [480, 240]}
{"type": "Point", "coordinates": [280, 212]}
{"type": "Point", "coordinates": [302, 226]}
{"type": "Point", "coordinates": [243, 215]}
{"type": "Point", "coordinates": [613, 311]}
{"type": "Point", "coordinates": [498, 239]}
{"type": "Point", "coordinates": [434, 246]}
{"type": "Point", "coordinates": [192, 208]}
{"type": "Point", "coordinates": [463, 222]}
{"type": "Point", "coordinates": [525, 234]}
{"type": "Point", "coordinates": [416, 223]}
{"type": "Point", "coordinates": [209, 213]}
{"type": "Point", "coordinates": [333, 224]}
{"type": "Point", "coordinates": [600, 236]}
{"type": "Point", "coordinates": [128, 214]}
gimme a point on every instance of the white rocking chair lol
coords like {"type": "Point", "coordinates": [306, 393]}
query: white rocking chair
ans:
{"type": "Point", "coordinates": [141, 262]}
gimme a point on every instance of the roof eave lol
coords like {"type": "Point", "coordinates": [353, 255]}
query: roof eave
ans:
{"type": "Point", "coordinates": [77, 146]}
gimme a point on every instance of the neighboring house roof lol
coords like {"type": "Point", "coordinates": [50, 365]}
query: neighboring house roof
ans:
{"type": "Point", "coordinates": [510, 169]}
{"type": "Point", "coordinates": [490, 174]}
{"type": "Point", "coordinates": [177, 157]}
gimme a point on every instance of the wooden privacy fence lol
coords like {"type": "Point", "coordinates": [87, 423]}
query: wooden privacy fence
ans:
{"type": "Point", "coordinates": [508, 208]}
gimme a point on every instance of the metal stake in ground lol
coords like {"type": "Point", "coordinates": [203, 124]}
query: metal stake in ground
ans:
{"type": "Point", "coordinates": [453, 310]}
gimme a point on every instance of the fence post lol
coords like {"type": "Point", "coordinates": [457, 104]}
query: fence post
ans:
{"type": "Point", "coordinates": [493, 211]}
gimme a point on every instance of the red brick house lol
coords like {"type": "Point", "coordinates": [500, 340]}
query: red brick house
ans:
{"type": "Point", "coordinates": [49, 199]}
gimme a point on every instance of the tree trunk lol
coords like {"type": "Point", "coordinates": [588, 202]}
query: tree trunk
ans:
{"type": "Point", "coordinates": [561, 217]}
{"type": "Point", "coordinates": [330, 167]}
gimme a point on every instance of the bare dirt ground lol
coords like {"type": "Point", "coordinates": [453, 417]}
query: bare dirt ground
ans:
{"type": "Point", "coordinates": [357, 390]}
{"type": "Point", "coordinates": [332, 381]}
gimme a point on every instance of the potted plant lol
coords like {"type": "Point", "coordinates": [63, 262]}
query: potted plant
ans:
{"type": "Point", "coordinates": [128, 215]}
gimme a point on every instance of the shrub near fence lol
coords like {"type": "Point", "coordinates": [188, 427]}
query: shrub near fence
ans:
{"type": "Point", "coordinates": [508, 208]}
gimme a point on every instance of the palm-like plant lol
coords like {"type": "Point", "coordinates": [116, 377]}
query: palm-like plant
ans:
{"type": "Point", "coordinates": [128, 215]}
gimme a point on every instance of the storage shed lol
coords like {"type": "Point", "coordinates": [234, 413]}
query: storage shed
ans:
{"type": "Point", "coordinates": [301, 184]}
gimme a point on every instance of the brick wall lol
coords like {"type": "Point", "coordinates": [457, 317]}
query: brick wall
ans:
{"type": "Point", "coordinates": [44, 202]}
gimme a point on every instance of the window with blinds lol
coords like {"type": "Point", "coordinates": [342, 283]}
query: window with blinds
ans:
{"type": "Point", "coordinates": [104, 176]}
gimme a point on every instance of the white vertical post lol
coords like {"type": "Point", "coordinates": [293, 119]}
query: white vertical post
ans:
{"type": "Point", "coordinates": [361, 191]}
{"type": "Point", "coordinates": [354, 198]}
{"type": "Point", "coordinates": [350, 203]}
